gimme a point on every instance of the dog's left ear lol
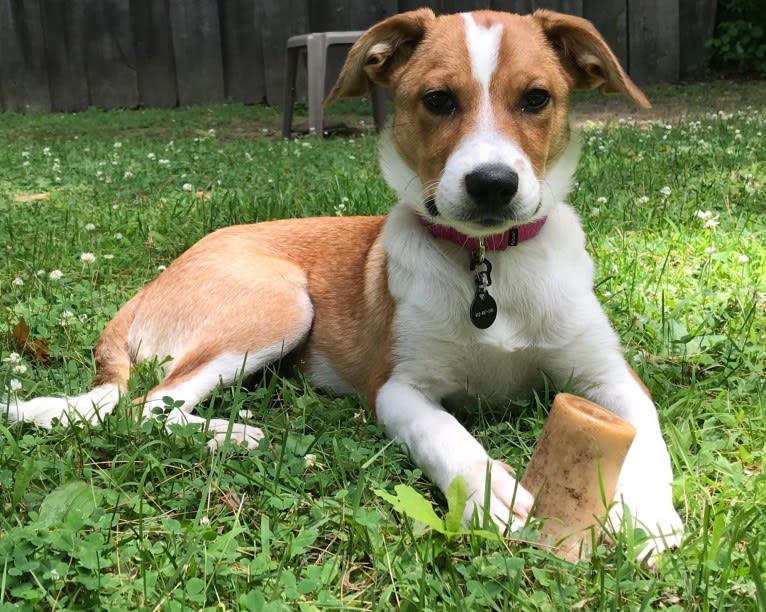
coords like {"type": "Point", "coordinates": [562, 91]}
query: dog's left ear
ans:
{"type": "Point", "coordinates": [379, 53]}
{"type": "Point", "coordinates": [586, 56]}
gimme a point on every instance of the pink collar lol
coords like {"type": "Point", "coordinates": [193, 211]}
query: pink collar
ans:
{"type": "Point", "coordinates": [493, 242]}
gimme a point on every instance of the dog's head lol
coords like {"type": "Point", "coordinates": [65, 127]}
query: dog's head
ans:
{"type": "Point", "coordinates": [480, 107]}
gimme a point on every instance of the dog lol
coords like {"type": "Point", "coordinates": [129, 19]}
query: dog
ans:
{"type": "Point", "coordinates": [476, 284]}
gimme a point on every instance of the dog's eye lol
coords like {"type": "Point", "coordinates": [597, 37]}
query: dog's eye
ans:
{"type": "Point", "coordinates": [534, 100]}
{"type": "Point", "coordinates": [440, 103]}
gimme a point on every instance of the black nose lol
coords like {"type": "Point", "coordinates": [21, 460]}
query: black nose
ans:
{"type": "Point", "coordinates": [492, 185]}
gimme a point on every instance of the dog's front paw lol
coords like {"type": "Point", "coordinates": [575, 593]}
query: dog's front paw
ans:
{"type": "Point", "coordinates": [509, 504]}
{"type": "Point", "coordinates": [660, 521]}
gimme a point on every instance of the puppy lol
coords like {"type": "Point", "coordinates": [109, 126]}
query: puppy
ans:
{"type": "Point", "coordinates": [476, 284]}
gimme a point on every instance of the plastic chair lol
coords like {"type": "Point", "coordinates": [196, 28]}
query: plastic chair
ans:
{"type": "Point", "coordinates": [315, 46]}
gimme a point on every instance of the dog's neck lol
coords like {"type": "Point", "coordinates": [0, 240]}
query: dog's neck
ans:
{"type": "Point", "coordinates": [493, 242]}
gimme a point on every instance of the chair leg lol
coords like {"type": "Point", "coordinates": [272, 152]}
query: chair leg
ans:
{"type": "Point", "coordinates": [288, 100]}
{"type": "Point", "coordinates": [316, 67]}
{"type": "Point", "coordinates": [378, 97]}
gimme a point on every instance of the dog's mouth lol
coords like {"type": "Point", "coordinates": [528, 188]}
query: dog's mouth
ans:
{"type": "Point", "coordinates": [499, 221]}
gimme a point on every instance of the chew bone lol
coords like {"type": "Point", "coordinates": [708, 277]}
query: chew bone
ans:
{"type": "Point", "coordinates": [573, 472]}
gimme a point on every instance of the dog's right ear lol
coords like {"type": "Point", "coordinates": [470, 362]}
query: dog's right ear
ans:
{"type": "Point", "coordinates": [380, 53]}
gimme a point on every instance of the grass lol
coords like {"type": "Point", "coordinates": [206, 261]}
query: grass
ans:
{"type": "Point", "coordinates": [125, 516]}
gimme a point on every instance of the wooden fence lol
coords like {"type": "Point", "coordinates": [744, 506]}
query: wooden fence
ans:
{"type": "Point", "coordinates": [68, 55]}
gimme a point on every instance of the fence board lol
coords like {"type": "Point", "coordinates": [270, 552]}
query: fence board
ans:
{"type": "Point", "coordinates": [196, 35]}
{"type": "Point", "coordinates": [23, 69]}
{"type": "Point", "coordinates": [154, 60]}
{"type": "Point", "coordinates": [243, 70]}
{"type": "Point", "coordinates": [699, 23]}
{"type": "Point", "coordinates": [411, 5]}
{"type": "Point", "coordinates": [611, 20]}
{"type": "Point", "coordinates": [281, 20]}
{"type": "Point", "coordinates": [63, 35]}
{"type": "Point", "coordinates": [513, 6]}
{"type": "Point", "coordinates": [653, 47]}
{"type": "Point", "coordinates": [572, 7]}
{"type": "Point", "coordinates": [109, 54]}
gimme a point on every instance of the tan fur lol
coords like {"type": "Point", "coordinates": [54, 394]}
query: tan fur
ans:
{"type": "Point", "coordinates": [548, 50]}
{"type": "Point", "coordinates": [239, 289]}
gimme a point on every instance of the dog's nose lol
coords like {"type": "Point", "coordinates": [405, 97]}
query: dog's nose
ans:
{"type": "Point", "coordinates": [492, 185]}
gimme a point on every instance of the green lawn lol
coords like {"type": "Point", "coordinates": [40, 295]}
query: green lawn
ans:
{"type": "Point", "coordinates": [125, 516]}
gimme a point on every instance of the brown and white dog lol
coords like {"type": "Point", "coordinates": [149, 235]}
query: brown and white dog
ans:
{"type": "Point", "coordinates": [477, 284]}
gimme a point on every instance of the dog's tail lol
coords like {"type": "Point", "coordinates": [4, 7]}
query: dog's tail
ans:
{"type": "Point", "coordinates": [113, 363]}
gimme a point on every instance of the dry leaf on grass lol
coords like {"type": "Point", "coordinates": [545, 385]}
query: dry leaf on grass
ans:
{"type": "Point", "coordinates": [31, 197]}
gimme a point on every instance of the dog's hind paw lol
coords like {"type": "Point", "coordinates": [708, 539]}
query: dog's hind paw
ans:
{"type": "Point", "coordinates": [240, 434]}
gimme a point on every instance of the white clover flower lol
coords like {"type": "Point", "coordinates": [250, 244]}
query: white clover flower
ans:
{"type": "Point", "coordinates": [55, 275]}
{"type": "Point", "coordinates": [666, 191]}
{"type": "Point", "coordinates": [88, 258]}
{"type": "Point", "coordinates": [12, 359]}
{"type": "Point", "coordinates": [107, 256]}
{"type": "Point", "coordinates": [15, 385]}
{"type": "Point", "coordinates": [601, 200]}
{"type": "Point", "coordinates": [128, 174]}
{"type": "Point", "coordinates": [204, 521]}
{"type": "Point", "coordinates": [47, 151]}
{"type": "Point", "coordinates": [40, 273]}
{"type": "Point", "coordinates": [703, 214]}
{"type": "Point", "coordinates": [118, 236]}
{"type": "Point", "coordinates": [66, 318]}
{"type": "Point", "coordinates": [309, 459]}
{"type": "Point", "coordinates": [19, 369]}
{"type": "Point", "coordinates": [743, 259]}
{"type": "Point", "coordinates": [162, 267]}
{"type": "Point", "coordinates": [164, 162]}
{"type": "Point", "coordinates": [83, 318]}
{"type": "Point", "coordinates": [711, 223]}
{"type": "Point", "coordinates": [151, 156]}
{"type": "Point", "coordinates": [26, 164]}
{"type": "Point", "coordinates": [25, 154]}
{"type": "Point", "coordinates": [642, 200]}
{"type": "Point", "coordinates": [89, 227]}
{"type": "Point", "coordinates": [18, 281]}
{"type": "Point", "coordinates": [187, 187]}
{"type": "Point", "coordinates": [245, 414]}
{"type": "Point", "coordinates": [117, 145]}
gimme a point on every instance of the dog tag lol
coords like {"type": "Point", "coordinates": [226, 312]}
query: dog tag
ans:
{"type": "Point", "coordinates": [483, 309]}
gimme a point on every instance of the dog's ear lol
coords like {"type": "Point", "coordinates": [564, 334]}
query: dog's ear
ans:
{"type": "Point", "coordinates": [379, 53]}
{"type": "Point", "coordinates": [586, 57]}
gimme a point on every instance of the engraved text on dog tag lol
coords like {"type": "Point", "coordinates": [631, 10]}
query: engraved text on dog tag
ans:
{"type": "Point", "coordinates": [483, 309]}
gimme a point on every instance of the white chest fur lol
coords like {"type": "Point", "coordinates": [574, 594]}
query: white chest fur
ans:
{"type": "Point", "coordinates": [542, 288]}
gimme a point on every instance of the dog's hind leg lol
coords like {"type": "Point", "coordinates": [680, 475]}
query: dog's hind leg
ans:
{"type": "Point", "coordinates": [235, 328]}
{"type": "Point", "coordinates": [195, 378]}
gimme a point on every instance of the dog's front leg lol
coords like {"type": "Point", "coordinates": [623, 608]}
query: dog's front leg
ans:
{"type": "Point", "coordinates": [644, 485]}
{"type": "Point", "coordinates": [443, 449]}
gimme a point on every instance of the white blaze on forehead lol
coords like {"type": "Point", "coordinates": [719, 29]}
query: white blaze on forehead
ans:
{"type": "Point", "coordinates": [483, 47]}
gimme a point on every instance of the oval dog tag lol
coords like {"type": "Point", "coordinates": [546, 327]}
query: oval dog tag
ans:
{"type": "Point", "coordinates": [483, 310]}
